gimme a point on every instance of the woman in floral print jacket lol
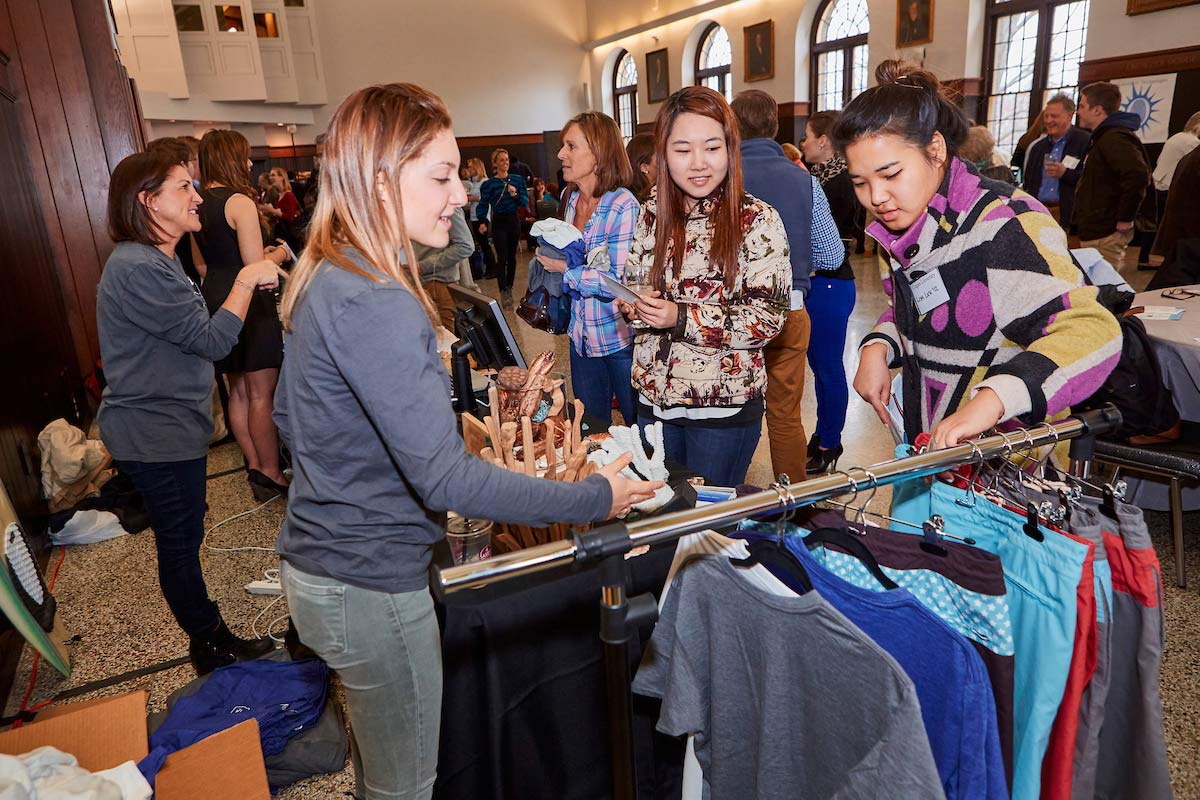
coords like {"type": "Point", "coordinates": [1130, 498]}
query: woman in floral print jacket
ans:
{"type": "Point", "coordinates": [722, 277]}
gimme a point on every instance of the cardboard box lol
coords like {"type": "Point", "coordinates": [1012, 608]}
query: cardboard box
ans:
{"type": "Point", "coordinates": [112, 730]}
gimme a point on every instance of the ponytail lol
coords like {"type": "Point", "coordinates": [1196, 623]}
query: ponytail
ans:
{"type": "Point", "coordinates": [908, 102]}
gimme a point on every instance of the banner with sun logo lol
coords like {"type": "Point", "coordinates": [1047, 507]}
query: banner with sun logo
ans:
{"type": "Point", "coordinates": [1150, 98]}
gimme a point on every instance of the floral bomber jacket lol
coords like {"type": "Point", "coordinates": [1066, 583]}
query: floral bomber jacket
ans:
{"type": "Point", "coordinates": [714, 355]}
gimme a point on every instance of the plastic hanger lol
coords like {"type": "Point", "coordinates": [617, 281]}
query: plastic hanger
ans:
{"type": "Point", "coordinates": [772, 553]}
{"type": "Point", "coordinates": [850, 542]}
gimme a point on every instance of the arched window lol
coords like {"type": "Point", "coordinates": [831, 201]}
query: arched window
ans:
{"type": "Point", "coordinates": [1033, 51]}
{"type": "Point", "coordinates": [625, 100]}
{"type": "Point", "coordinates": [714, 61]}
{"type": "Point", "coordinates": [839, 53]}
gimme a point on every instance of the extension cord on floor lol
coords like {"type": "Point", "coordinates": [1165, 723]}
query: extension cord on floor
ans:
{"type": "Point", "coordinates": [264, 587]}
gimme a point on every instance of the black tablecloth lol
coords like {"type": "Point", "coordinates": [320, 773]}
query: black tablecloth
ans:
{"type": "Point", "coordinates": [524, 710]}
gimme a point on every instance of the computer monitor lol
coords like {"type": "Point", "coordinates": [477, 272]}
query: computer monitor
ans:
{"type": "Point", "coordinates": [482, 332]}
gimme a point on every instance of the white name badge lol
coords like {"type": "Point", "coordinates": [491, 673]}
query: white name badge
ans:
{"type": "Point", "coordinates": [1070, 162]}
{"type": "Point", "coordinates": [929, 292]}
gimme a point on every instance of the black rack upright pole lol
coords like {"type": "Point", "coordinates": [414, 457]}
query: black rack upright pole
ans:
{"type": "Point", "coordinates": [614, 633]}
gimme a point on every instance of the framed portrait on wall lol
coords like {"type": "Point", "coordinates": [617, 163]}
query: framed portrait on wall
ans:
{"type": "Point", "coordinates": [760, 51]}
{"type": "Point", "coordinates": [914, 22]}
{"type": "Point", "coordinates": [1146, 6]}
{"type": "Point", "coordinates": [658, 76]}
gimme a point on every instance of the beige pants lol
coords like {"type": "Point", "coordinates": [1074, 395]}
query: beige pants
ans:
{"type": "Point", "coordinates": [1112, 247]}
{"type": "Point", "coordinates": [786, 365]}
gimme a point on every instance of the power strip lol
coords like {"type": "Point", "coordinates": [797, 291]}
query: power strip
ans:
{"type": "Point", "coordinates": [264, 587]}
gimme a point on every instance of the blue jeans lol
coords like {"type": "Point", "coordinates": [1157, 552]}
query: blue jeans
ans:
{"type": "Point", "coordinates": [830, 301]}
{"type": "Point", "coordinates": [174, 492]}
{"type": "Point", "coordinates": [721, 455]}
{"type": "Point", "coordinates": [387, 651]}
{"type": "Point", "coordinates": [596, 380]}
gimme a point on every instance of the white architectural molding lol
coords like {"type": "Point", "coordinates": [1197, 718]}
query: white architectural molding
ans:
{"type": "Point", "coordinates": [279, 73]}
{"type": "Point", "coordinates": [149, 45]}
{"type": "Point", "coordinates": [305, 45]}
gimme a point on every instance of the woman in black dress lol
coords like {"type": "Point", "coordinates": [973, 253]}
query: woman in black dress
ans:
{"type": "Point", "coordinates": [230, 237]}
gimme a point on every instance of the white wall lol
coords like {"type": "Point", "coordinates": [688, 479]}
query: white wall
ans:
{"type": "Point", "coordinates": [1112, 33]}
{"type": "Point", "coordinates": [956, 50]}
{"type": "Point", "coordinates": [501, 67]}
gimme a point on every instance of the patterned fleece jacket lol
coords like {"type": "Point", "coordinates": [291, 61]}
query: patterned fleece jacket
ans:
{"type": "Point", "coordinates": [713, 357]}
{"type": "Point", "coordinates": [1021, 318]}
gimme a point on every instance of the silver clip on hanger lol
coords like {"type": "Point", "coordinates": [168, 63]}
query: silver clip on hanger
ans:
{"type": "Point", "coordinates": [853, 483]}
{"type": "Point", "coordinates": [976, 457]}
{"type": "Point", "coordinates": [1005, 456]}
{"type": "Point", "coordinates": [779, 488]}
{"type": "Point", "coordinates": [860, 516]}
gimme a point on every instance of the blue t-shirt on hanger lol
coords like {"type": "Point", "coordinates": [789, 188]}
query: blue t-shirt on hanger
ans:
{"type": "Point", "coordinates": [952, 684]}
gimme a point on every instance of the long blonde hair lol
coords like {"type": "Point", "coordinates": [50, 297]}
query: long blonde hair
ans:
{"type": "Point", "coordinates": [373, 135]}
{"type": "Point", "coordinates": [287, 184]}
{"type": "Point", "coordinates": [478, 170]}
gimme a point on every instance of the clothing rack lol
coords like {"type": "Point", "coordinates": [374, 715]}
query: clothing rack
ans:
{"type": "Point", "coordinates": [606, 546]}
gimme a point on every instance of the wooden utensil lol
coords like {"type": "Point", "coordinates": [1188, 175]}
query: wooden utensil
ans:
{"type": "Point", "coordinates": [575, 464]}
{"type": "Point", "coordinates": [510, 544]}
{"type": "Point", "coordinates": [508, 440]}
{"type": "Point", "coordinates": [475, 434]}
{"type": "Point", "coordinates": [527, 447]}
{"type": "Point", "coordinates": [551, 452]}
{"type": "Point", "coordinates": [578, 423]}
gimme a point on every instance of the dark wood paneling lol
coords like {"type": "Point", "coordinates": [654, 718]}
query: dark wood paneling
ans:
{"type": "Point", "coordinates": [505, 140]}
{"type": "Point", "coordinates": [793, 117]}
{"type": "Point", "coordinates": [1186, 101]}
{"type": "Point", "coordinates": [56, 177]}
{"type": "Point", "coordinates": [82, 128]}
{"type": "Point", "coordinates": [115, 104]}
{"type": "Point", "coordinates": [78, 118]}
{"type": "Point", "coordinates": [6, 85]}
{"type": "Point", "coordinates": [1136, 64]}
{"type": "Point", "coordinates": [968, 94]}
{"type": "Point", "coordinates": [38, 362]}
{"type": "Point", "coordinates": [532, 148]}
{"type": "Point", "coordinates": [67, 116]}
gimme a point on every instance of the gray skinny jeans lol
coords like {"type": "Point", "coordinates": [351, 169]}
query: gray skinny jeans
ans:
{"type": "Point", "coordinates": [386, 649]}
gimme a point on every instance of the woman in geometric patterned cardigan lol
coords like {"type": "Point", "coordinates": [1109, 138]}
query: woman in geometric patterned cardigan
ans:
{"type": "Point", "coordinates": [990, 318]}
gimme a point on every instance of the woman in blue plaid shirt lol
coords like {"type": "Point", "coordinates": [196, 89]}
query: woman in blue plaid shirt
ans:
{"type": "Point", "coordinates": [597, 171]}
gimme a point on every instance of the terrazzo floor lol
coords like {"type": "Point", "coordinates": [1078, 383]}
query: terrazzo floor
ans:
{"type": "Point", "coordinates": [109, 598]}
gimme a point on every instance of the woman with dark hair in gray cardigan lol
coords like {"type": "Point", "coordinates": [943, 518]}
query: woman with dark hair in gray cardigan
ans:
{"type": "Point", "coordinates": [159, 343]}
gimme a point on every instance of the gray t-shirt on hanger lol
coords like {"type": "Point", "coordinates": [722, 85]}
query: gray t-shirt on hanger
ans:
{"type": "Point", "coordinates": [786, 698]}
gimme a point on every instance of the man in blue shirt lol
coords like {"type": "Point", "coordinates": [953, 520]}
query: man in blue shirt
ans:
{"type": "Point", "coordinates": [814, 244]}
{"type": "Point", "coordinates": [1055, 162]}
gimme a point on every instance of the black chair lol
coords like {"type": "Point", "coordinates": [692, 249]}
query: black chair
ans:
{"type": "Point", "coordinates": [1178, 462]}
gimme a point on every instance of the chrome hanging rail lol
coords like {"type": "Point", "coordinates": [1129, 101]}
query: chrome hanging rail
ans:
{"type": "Point", "coordinates": [618, 538]}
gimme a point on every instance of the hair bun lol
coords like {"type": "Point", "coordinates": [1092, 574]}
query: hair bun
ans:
{"type": "Point", "coordinates": [904, 73]}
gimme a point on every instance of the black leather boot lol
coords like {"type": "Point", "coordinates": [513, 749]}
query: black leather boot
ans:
{"type": "Point", "coordinates": [821, 461]}
{"type": "Point", "coordinates": [222, 647]}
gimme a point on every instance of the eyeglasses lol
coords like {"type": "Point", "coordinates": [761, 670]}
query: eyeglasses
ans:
{"type": "Point", "coordinates": [1180, 293]}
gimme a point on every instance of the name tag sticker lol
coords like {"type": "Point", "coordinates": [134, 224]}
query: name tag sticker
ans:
{"type": "Point", "coordinates": [1070, 162]}
{"type": "Point", "coordinates": [929, 292]}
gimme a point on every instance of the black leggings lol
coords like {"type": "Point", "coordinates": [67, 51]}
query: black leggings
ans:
{"type": "Point", "coordinates": [506, 233]}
